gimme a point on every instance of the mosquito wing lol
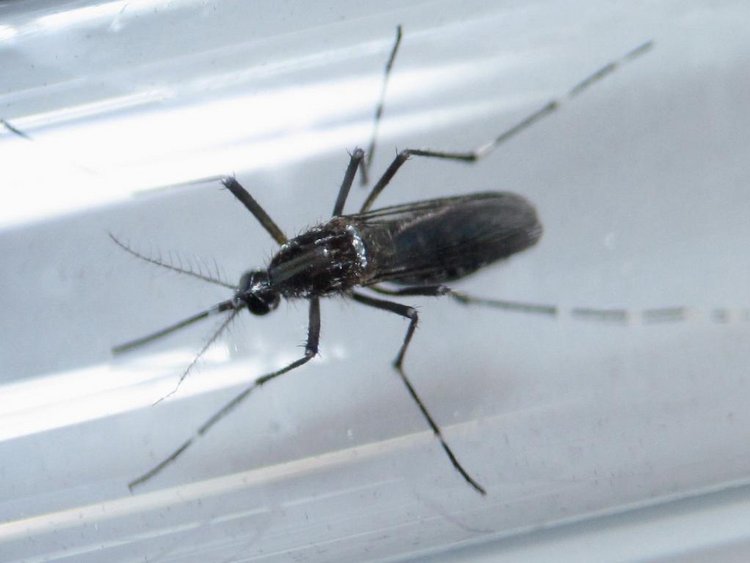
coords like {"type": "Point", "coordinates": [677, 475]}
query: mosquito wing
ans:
{"type": "Point", "coordinates": [441, 240]}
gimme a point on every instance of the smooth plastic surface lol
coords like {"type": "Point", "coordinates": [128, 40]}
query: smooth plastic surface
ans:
{"type": "Point", "coordinates": [642, 188]}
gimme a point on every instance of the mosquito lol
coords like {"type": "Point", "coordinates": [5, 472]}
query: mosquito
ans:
{"type": "Point", "coordinates": [407, 250]}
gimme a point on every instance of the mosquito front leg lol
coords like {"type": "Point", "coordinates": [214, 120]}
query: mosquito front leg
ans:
{"type": "Point", "coordinates": [254, 207]}
{"type": "Point", "coordinates": [311, 349]}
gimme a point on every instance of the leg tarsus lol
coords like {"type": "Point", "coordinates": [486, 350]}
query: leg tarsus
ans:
{"type": "Point", "coordinates": [380, 107]}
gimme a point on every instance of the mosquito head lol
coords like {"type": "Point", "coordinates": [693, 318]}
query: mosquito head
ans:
{"type": "Point", "coordinates": [256, 292]}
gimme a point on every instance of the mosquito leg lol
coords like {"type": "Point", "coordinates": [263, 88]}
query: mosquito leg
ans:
{"type": "Point", "coordinates": [423, 290]}
{"type": "Point", "coordinates": [604, 315]}
{"type": "Point", "coordinates": [311, 349]}
{"type": "Point", "coordinates": [254, 207]}
{"type": "Point", "coordinates": [379, 108]}
{"type": "Point", "coordinates": [657, 315]}
{"type": "Point", "coordinates": [614, 315]}
{"type": "Point", "coordinates": [518, 306]}
{"type": "Point", "coordinates": [387, 176]}
{"type": "Point", "coordinates": [483, 150]}
{"type": "Point", "coordinates": [440, 290]}
{"type": "Point", "coordinates": [357, 157]}
{"type": "Point", "coordinates": [583, 313]}
{"type": "Point", "coordinates": [137, 343]}
{"type": "Point", "coordinates": [411, 314]}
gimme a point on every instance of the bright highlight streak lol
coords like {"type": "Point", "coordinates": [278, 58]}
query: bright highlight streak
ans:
{"type": "Point", "coordinates": [104, 151]}
{"type": "Point", "coordinates": [80, 16]}
{"type": "Point", "coordinates": [45, 404]}
{"type": "Point", "coordinates": [7, 32]}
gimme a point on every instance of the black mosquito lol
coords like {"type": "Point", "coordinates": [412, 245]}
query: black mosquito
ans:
{"type": "Point", "coordinates": [415, 249]}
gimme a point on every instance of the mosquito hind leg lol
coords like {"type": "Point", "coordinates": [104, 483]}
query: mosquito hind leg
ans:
{"type": "Point", "coordinates": [411, 314]}
{"type": "Point", "coordinates": [484, 149]}
{"type": "Point", "coordinates": [380, 107]}
{"type": "Point", "coordinates": [466, 299]}
{"type": "Point", "coordinates": [609, 315]}
{"type": "Point", "coordinates": [311, 350]}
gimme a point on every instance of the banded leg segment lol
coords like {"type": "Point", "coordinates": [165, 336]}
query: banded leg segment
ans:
{"type": "Point", "coordinates": [484, 149]}
{"type": "Point", "coordinates": [380, 107]}
{"type": "Point", "coordinates": [613, 315]}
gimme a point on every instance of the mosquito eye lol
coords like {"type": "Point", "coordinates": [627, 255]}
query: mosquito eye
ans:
{"type": "Point", "coordinates": [262, 303]}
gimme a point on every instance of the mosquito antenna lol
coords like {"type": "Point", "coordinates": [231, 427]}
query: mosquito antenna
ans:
{"type": "Point", "coordinates": [224, 324]}
{"type": "Point", "coordinates": [365, 165]}
{"type": "Point", "coordinates": [169, 266]}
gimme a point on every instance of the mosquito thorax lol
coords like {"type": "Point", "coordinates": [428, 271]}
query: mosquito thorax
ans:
{"type": "Point", "coordinates": [327, 259]}
{"type": "Point", "coordinates": [256, 293]}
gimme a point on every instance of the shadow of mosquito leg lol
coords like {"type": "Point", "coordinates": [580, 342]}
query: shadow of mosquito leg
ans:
{"type": "Point", "coordinates": [484, 149]}
{"type": "Point", "coordinates": [411, 314]}
{"type": "Point", "coordinates": [311, 349]}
